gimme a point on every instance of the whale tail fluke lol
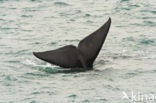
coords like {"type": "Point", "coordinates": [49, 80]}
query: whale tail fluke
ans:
{"type": "Point", "coordinates": [83, 56]}
{"type": "Point", "coordinates": [91, 45]}
{"type": "Point", "coordinates": [66, 56]}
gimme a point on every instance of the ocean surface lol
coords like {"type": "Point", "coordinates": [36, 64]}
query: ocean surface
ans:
{"type": "Point", "coordinates": [126, 64]}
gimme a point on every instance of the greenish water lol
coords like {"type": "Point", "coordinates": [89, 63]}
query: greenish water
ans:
{"type": "Point", "coordinates": [127, 61]}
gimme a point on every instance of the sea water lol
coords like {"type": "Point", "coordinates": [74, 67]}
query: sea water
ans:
{"type": "Point", "coordinates": [124, 71]}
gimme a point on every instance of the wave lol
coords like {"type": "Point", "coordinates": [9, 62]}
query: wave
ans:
{"type": "Point", "coordinates": [61, 4]}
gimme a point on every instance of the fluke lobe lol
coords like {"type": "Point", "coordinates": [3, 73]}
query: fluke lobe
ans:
{"type": "Point", "coordinates": [82, 56]}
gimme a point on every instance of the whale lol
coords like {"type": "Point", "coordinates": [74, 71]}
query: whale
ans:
{"type": "Point", "coordinates": [82, 56]}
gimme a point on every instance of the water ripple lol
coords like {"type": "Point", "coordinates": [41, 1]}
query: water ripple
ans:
{"type": "Point", "coordinates": [127, 60]}
{"type": "Point", "coordinates": [61, 4]}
